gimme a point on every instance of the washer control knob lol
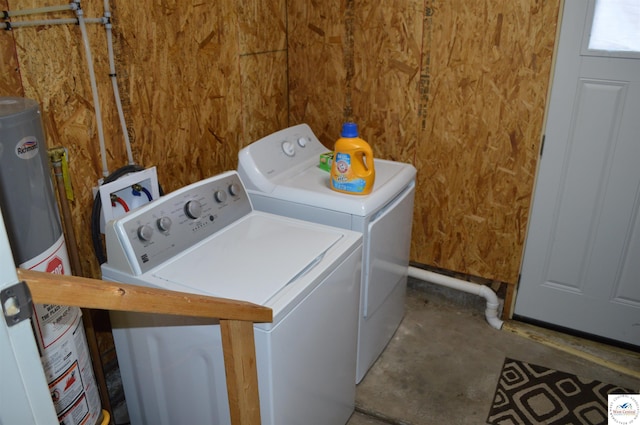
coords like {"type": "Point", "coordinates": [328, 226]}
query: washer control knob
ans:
{"type": "Point", "coordinates": [145, 232]}
{"type": "Point", "coordinates": [288, 148]}
{"type": "Point", "coordinates": [220, 196]}
{"type": "Point", "coordinates": [302, 142]}
{"type": "Point", "coordinates": [193, 209]}
{"type": "Point", "coordinates": [234, 189]}
{"type": "Point", "coordinates": [164, 224]}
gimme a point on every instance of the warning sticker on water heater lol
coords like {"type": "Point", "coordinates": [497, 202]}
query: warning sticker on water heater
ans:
{"type": "Point", "coordinates": [27, 147]}
{"type": "Point", "coordinates": [63, 347]}
{"type": "Point", "coordinates": [52, 321]}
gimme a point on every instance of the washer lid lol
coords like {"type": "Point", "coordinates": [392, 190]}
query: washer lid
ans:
{"type": "Point", "coordinates": [309, 185]}
{"type": "Point", "coordinates": [252, 259]}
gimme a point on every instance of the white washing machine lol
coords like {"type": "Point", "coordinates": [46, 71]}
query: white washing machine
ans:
{"type": "Point", "coordinates": [282, 176]}
{"type": "Point", "coordinates": [206, 239]}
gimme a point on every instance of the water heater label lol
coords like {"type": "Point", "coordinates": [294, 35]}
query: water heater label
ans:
{"type": "Point", "coordinates": [27, 147]}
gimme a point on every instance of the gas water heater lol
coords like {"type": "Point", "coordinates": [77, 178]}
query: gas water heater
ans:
{"type": "Point", "coordinates": [35, 234]}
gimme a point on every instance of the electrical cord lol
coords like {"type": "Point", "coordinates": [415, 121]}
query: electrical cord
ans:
{"type": "Point", "coordinates": [96, 239]}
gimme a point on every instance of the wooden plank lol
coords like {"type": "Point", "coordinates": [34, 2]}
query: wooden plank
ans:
{"type": "Point", "coordinates": [47, 288]}
{"type": "Point", "coordinates": [236, 325]}
{"type": "Point", "coordinates": [618, 359]}
{"type": "Point", "coordinates": [238, 348]}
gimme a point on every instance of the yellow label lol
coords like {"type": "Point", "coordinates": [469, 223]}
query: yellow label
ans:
{"type": "Point", "coordinates": [65, 176]}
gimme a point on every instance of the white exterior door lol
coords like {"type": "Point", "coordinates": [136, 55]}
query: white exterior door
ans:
{"type": "Point", "coordinates": [24, 394]}
{"type": "Point", "coordinates": [581, 267]}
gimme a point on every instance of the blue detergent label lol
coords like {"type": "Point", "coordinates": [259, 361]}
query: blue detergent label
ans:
{"type": "Point", "coordinates": [345, 180]}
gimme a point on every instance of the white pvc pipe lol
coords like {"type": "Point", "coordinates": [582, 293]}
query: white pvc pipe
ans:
{"type": "Point", "coordinates": [94, 91]}
{"type": "Point", "coordinates": [114, 83]}
{"type": "Point", "coordinates": [40, 22]}
{"type": "Point", "coordinates": [82, 21]}
{"type": "Point", "coordinates": [491, 310]}
{"type": "Point", "coordinates": [39, 10]}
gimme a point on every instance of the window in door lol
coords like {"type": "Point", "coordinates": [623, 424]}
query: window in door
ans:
{"type": "Point", "coordinates": [615, 29]}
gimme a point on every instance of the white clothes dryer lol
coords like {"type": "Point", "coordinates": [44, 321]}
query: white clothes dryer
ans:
{"type": "Point", "coordinates": [206, 239]}
{"type": "Point", "coordinates": [282, 176]}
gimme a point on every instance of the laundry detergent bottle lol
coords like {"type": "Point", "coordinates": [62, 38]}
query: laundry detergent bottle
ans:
{"type": "Point", "coordinates": [352, 168]}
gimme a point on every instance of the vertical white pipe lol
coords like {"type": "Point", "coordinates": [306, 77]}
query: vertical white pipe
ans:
{"type": "Point", "coordinates": [81, 21]}
{"type": "Point", "coordinates": [116, 91]}
{"type": "Point", "coordinates": [94, 90]}
{"type": "Point", "coordinates": [107, 8]}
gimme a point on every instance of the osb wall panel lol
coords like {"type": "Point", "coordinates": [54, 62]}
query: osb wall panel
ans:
{"type": "Point", "coordinates": [384, 91]}
{"type": "Point", "coordinates": [458, 89]}
{"type": "Point", "coordinates": [489, 70]}
{"type": "Point", "coordinates": [181, 68]}
{"type": "Point", "coordinates": [263, 67]}
{"type": "Point", "coordinates": [262, 26]}
{"type": "Point", "coordinates": [317, 41]}
{"type": "Point", "coordinates": [10, 84]}
{"type": "Point", "coordinates": [264, 94]}
{"type": "Point", "coordinates": [182, 80]}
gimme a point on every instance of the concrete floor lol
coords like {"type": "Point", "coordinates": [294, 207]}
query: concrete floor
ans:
{"type": "Point", "coordinates": [442, 365]}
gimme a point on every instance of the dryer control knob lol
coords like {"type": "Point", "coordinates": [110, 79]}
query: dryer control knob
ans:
{"type": "Point", "coordinates": [234, 189]}
{"type": "Point", "coordinates": [288, 148]}
{"type": "Point", "coordinates": [220, 196]}
{"type": "Point", "coordinates": [193, 209]}
{"type": "Point", "coordinates": [302, 142]}
{"type": "Point", "coordinates": [164, 224]}
{"type": "Point", "coordinates": [145, 232]}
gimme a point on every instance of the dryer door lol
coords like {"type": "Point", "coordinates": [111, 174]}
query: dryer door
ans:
{"type": "Point", "coordinates": [388, 250]}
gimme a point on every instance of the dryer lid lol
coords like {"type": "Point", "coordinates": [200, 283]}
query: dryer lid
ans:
{"type": "Point", "coordinates": [251, 260]}
{"type": "Point", "coordinates": [309, 185]}
{"type": "Point", "coordinates": [293, 174]}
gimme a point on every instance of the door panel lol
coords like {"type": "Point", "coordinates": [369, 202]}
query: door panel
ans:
{"type": "Point", "coordinates": [581, 268]}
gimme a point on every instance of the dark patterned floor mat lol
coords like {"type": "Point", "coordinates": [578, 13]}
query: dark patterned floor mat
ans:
{"type": "Point", "coordinates": [528, 394]}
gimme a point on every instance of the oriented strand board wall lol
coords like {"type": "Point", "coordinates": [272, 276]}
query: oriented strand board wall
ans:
{"type": "Point", "coordinates": [489, 69]}
{"type": "Point", "coordinates": [10, 84]}
{"type": "Point", "coordinates": [317, 41]}
{"type": "Point", "coordinates": [198, 81]}
{"type": "Point", "coordinates": [457, 88]}
{"type": "Point", "coordinates": [385, 88]}
{"type": "Point", "coordinates": [182, 80]}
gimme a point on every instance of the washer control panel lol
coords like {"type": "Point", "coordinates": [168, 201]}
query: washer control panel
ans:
{"type": "Point", "coordinates": [277, 155]}
{"type": "Point", "coordinates": [157, 231]}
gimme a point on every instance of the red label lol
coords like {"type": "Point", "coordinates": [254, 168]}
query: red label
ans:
{"type": "Point", "coordinates": [55, 266]}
